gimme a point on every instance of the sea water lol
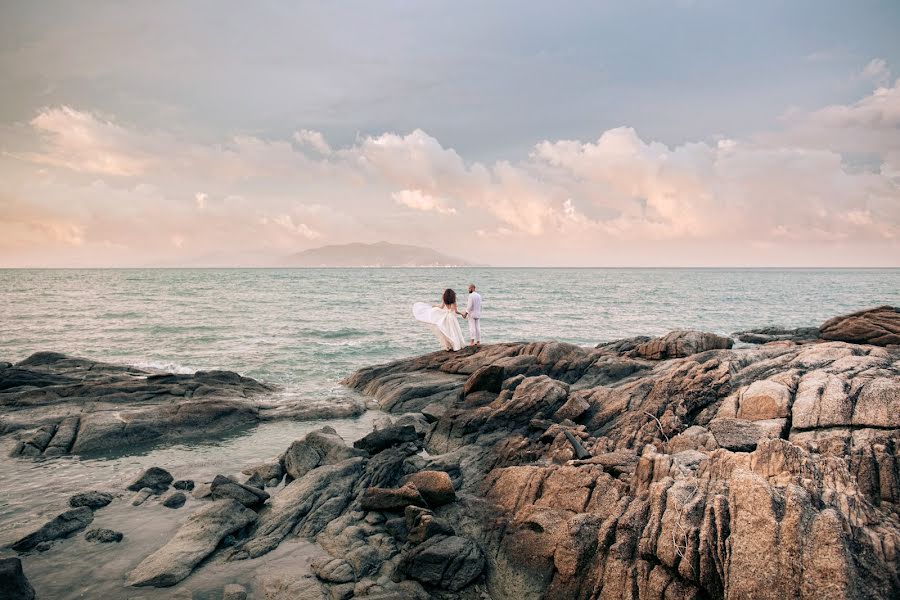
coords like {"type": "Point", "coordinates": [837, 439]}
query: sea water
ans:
{"type": "Point", "coordinates": [306, 329]}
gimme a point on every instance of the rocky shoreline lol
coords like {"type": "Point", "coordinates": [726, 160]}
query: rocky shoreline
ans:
{"type": "Point", "coordinates": [677, 467]}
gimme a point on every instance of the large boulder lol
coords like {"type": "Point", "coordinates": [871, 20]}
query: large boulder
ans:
{"type": "Point", "coordinates": [682, 343]}
{"type": "Point", "coordinates": [321, 447]}
{"type": "Point", "coordinates": [93, 500]}
{"type": "Point", "coordinates": [878, 326]}
{"type": "Point", "coordinates": [62, 526]}
{"type": "Point", "coordinates": [13, 583]}
{"type": "Point", "coordinates": [435, 487]}
{"type": "Point", "coordinates": [445, 562]}
{"type": "Point", "coordinates": [154, 478]}
{"type": "Point", "coordinates": [488, 378]}
{"type": "Point", "coordinates": [196, 540]}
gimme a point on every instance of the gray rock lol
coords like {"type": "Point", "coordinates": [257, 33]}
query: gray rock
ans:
{"type": "Point", "coordinates": [183, 484]}
{"type": "Point", "coordinates": [233, 591]}
{"type": "Point", "coordinates": [193, 542]}
{"type": "Point", "coordinates": [445, 562]}
{"type": "Point", "coordinates": [103, 536]}
{"type": "Point", "coordinates": [382, 439]}
{"type": "Point", "coordinates": [62, 526]}
{"type": "Point", "coordinates": [174, 499]}
{"type": "Point", "coordinates": [742, 436]}
{"type": "Point", "coordinates": [267, 471]}
{"type": "Point", "coordinates": [332, 570]}
{"type": "Point", "coordinates": [13, 583]}
{"type": "Point", "coordinates": [155, 478]}
{"type": "Point", "coordinates": [224, 487]}
{"type": "Point", "coordinates": [322, 447]}
{"type": "Point", "coordinates": [141, 496]}
{"type": "Point", "coordinates": [93, 499]}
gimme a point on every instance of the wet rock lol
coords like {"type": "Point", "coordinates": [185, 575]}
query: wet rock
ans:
{"type": "Point", "coordinates": [382, 439]}
{"type": "Point", "coordinates": [174, 499]}
{"type": "Point", "coordinates": [103, 536]}
{"type": "Point", "coordinates": [233, 591]}
{"type": "Point", "coordinates": [13, 583]}
{"type": "Point", "coordinates": [435, 487]}
{"type": "Point", "coordinates": [183, 484]}
{"type": "Point", "coordinates": [193, 542]}
{"type": "Point", "coordinates": [445, 562]}
{"type": "Point", "coordinates": [141, 496]}
{"type": "Point", "coordinates": [154, 478]}
{"type": "Point", "coordinates": [391, 499]}
{"type": "Point", "coordinates": [879, 326]}
{"type": "Point", "coordinates": [678, 344]}
{"type": "Point", "coordinates": [62, 526]}
{"type": "Point", "coordinates": [434, 411]}
{"type": "Point", "coordinates": [224, 487]}
{"type": "Point", "coordinates": [92, 500]}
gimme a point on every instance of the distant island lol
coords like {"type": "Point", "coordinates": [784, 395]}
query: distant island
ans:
{"type": "Point", "coordinates": [381, 254]}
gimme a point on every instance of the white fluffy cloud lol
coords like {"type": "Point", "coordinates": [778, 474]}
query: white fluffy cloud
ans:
{"type": "Point", "coordinates": [778, 189]}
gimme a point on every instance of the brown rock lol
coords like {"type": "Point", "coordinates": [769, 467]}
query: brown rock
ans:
{"type": "Point", "coordinates": [391, 499]}
{"type": "Point", "coordinates": [434, 486]}
{"type": "Point", "coordinates": [878, 326]}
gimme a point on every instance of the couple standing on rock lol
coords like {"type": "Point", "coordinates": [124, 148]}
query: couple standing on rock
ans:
{"type": "Point", "coordinates": [441, 319]}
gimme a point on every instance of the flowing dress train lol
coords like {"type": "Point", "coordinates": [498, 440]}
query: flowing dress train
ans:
{"type": "Point", "coordinates": [443, 323]}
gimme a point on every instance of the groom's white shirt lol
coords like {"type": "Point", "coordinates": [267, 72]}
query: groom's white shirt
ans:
{"type": "Point", "coordinates": [473, 306]}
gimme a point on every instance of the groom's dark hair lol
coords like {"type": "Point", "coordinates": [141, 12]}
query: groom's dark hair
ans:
{"type": "Point", "coordinates": [449, 297]}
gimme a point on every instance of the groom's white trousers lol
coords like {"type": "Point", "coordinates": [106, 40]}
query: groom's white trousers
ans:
{"type": "Point", "coordinates": [474, 329]}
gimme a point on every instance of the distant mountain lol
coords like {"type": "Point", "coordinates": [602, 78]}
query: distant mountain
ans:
{"type": "Point", "coordinates": [381, 254]}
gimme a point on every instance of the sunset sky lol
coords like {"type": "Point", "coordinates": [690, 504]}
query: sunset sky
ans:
{"type": "Point", "coordinates": [663, 133]}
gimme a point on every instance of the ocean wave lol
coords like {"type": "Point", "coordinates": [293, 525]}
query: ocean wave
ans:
{"type": "Point", "coordinates": [166, 367]}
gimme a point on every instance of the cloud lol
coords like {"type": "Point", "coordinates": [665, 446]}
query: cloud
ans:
{"type": "Point", "coordinates": [566, 202]}
{"type": "Point", "coordinates": [877, 71]}
{"type": "Point", "coordinates": [85, 142]}
{"type": "Point", "coordinates": [314, 140]}
{"type": "Point", "coordinates": [417, 200]}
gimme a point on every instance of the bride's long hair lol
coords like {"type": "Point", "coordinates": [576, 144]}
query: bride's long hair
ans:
{"type": "Point", "coordinates": [449, 297]}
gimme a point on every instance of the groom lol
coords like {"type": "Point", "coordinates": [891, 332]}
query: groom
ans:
{"type": "Point", "coordinates": [473, 315]}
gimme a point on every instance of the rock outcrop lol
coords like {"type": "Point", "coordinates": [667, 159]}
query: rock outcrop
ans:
{"type": "Point", "coordinates": [878, 326]}
{"type": "Point", "coordinates": [61, 526]}
{"type": "Point", "coordinates": [13, 583]}
{"type": "Point", "coordinates": [769, 471]}
{"type": "Point", "coordinates": [52, 404]}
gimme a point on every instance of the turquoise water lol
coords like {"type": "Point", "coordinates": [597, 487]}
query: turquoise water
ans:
{"type": "Point", "coordinates": [308, 328]}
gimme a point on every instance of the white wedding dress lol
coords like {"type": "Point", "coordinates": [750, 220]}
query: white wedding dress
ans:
{"type": "Point", "coordinates": [443, 322]}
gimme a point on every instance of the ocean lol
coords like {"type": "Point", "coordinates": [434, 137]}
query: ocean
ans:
{"type": "Point", "coordinates": [306, 329]}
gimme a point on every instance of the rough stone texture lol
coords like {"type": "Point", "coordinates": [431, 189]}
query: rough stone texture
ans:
{"type": "Point", "coordinates": [193, 542]}
{"type": "Point", "coordinates": [92, 500]}
{"type": "Point", "coordinates": [154, 478]}
{"type": "Point", "coordinates": [678, 344]}
{"type": "Point", "coordinates": [224, 487]}
{"type": "Point", "coordinates": [391, 499]}
{"type": "Point", "coordinates": [879, 326]}
{"type": "Point", "coordinates": [384, 438]}
{"type": "Point", "coordinates": [183, 484]}
{"type": "Point", "coordinates": [435, 487]}
{"type": "Point", "coordinates": [233, 591]}
{"type": "Point", "coordinates": [62, 526]}
{"type": "Point", "coordinates": [174, 499]}
{"type": "Point", "coordinates": [55, 404]}
{"type": "Point", "coordinates": [445, 562]}
{"type": "Point", "coordinates": [764, 335]}
{"type": "Point", "coordinates": [103, 536]}
{"type": "Point", "coordinates": [322, 447]}
{"type": "Point", "coordinates": [13, 583]}
{"type": "Point", "coordinates": [769, 471]}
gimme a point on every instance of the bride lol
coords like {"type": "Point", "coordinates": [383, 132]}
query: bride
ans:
{"type": "Point", "coordinates": [442, 320]}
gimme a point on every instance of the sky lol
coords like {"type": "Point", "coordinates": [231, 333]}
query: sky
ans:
{"type": "Point", "coordinates": [647, 133]}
